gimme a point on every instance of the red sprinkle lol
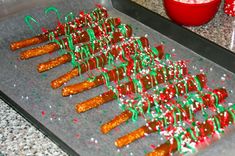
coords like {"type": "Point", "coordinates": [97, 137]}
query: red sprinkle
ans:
{"type": "Point", "coordinates": [77, 136]}
{"type": "Point", "coordinates": [152, 146]}
{"type": "Point", "coordinates": [75, 120]}
{"type": "Point", "coordinates": [43, 113]}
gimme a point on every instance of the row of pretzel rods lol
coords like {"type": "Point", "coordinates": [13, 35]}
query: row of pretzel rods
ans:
{"type": "Point", "coordinates": [102, 35]}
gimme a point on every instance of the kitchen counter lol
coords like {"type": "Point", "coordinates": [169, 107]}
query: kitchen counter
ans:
{"type": "Point", "coordinates": [19, 137]}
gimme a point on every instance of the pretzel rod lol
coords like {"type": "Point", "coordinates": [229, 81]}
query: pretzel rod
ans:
{"type": "Point", "coordinates": [38, 51]}
{"type": "Point", "coordinates": [97, 61]}
{"type": "Point", "coordinates": [204, 129]}
{"type": "Point", "coordinates": [99, 80]}
{"type": "Point", "coordinates": [171, 90]}
{"type": "Point", "coordinates": [181, 114]}
{"type": "Point", "coordinates": [77, 37]}
{"type": "Point", "coordinates": [114, 74]}
{"type": "Point", "coordinates": [94, 47]}
{"type": "Point", "coordinates": [129, 87]}
{"type": "Point", "coordinates": [78, 22]}
{"type": "Point", "coordinates": [42, 67]}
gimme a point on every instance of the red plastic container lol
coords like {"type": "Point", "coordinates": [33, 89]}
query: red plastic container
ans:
{"type": "Point", "coordinates": [191, 14]}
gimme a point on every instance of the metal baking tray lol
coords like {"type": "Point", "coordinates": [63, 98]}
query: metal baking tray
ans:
{"type": "Point", "coordinates": [29, 92]}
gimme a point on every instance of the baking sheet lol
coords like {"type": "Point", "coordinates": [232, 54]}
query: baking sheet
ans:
{"type": "Point", "coordinates": [31, 90]}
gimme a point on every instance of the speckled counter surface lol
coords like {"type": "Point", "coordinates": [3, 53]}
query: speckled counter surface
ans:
{"type": "Point", "coordinates": [18, 137]}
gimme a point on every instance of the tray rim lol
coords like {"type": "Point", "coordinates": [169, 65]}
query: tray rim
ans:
{"type": "Point", "coordinates": [125, 8]}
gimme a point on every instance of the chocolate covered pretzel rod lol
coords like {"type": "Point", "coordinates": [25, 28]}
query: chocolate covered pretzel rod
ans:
{"type": "Point", "coordinates": [201, 130]}
{"type": "Point", "coordinates": [114, 74]}
{"type": "Point", "coordinates": [87, 49]}
{"type": "Point", "coordinates": [190, 84]}
{"type": "Point", "coordinates": [88, 35]}
{"type": "Point", "coordinates": [162, 75]}
{"type": "Point", "coordinates": [83, 20]}
{"type": "Point", "coordinates": [100, 60]}
{"type": "Point", "coordinates": [174, 116]}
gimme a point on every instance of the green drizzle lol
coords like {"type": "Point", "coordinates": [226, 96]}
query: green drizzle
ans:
{"type": "Point", "coordinates": [218, 125]}
{"type": "Point", "coordinates": [70, 17]}
{"type": "Point", "coordinates": [53, 9]}
{"type": "Point", "coordinates": [122, 29]}
{"type": "Point", "coordinates": [135, 114]}
{"type": "Point", "coordinates": [179, 141]}
{"type": "Point", "coordinates": [155, 51]}
{"type": "Point", "coordinates": [106, 78]}
{"type": "Point", "coordinates": [190, 131]}
{"type": "Point", "coordinates": [232, 114]}
{"type": "Point", "coordinates": [168, 56]}
{"type": "Point", "coordinates": [137, 84]}
{"type": "Point", "coordinates": [91, 34]}
{"type": "Point", "coordinates": [27, 20]}
{"type": "Point", "coordinates": [198, 84]}
{"type": "Point", "coordinates": [218, 106]}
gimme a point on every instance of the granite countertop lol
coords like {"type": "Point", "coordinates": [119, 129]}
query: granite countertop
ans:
{"type": "Point", "coordinates": [19, 137]}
